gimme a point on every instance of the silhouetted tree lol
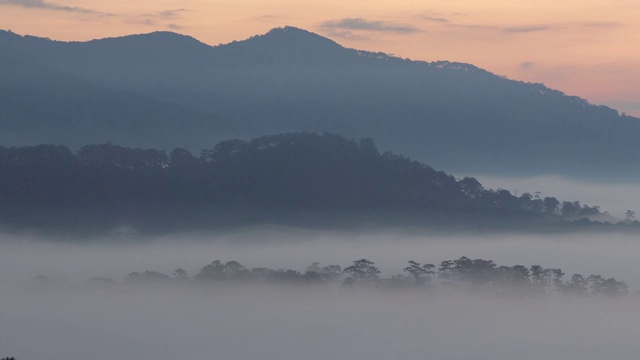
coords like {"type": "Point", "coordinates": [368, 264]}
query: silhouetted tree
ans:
{"type": "Point", "coordinates": [420, 273]}
{"type": "Point", "coordinates": [180, 157]}
{"type": "Point", "coordinates": [180, 274]}
{"type": "Point", "coordinates": [551, 204]}
{"type": "Point", "coordinates": [217, 270]}
{"type": "Point", "coordinates": [324, 273]}
{"type": "Point", "coordinates": [510, 277]}
{"type": "Point", "coordinates": [607, 287]}
{"type": "Point", "coordinates": [446, 272]}
{"type": "Point", "coordinates": [471, 187]}
{"type": "Point", "coordinates": [570, 208]}
{"type": "Point", "coordinates": [556, 277]}
{"type": "Point", "coordinates": [475, 272]}
{"type": "Point", "coordinates": [630, 215]}
{"type": "Point", "coordinates": [577, 285]}
{"type": "Point", "coordinates": [362, 272]}
{"type": "Point", "coordinates": [539, 276]}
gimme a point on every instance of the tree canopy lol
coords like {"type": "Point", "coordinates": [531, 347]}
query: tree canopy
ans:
{"type": "Point", "coordinates": [265, 179]}
{"type": "Point", "coordinates": [462, 274]}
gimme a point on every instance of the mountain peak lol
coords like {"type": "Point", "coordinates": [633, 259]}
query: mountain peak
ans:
{"type": "Point", "coordinates": [156, 38]}
{"type": "Point", "coordinates": [294, 32]}
{"type": "Point", "coordinates": [285, 45]}
{"type": "Point", "coordinates": [289, 36]}
{"type": "Point", "coordinates": [289, 30]}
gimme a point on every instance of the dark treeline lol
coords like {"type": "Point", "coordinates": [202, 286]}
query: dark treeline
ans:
{"type": "Point", "coordinates": [462, 274]}
{"type": "Point", "coordinates": [270, 178]}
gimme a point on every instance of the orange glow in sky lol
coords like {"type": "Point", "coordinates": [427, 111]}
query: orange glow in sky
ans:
{"type": "Point", "coordinates": [585, 48]}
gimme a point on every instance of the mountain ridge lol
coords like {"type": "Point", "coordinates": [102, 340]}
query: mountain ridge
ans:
{"type": "Point", "coordinates": [287, 33]}
{"type": "Point", "coordinates": [278, 32]}
{"type": "Point", "coordinates": [455, 116]}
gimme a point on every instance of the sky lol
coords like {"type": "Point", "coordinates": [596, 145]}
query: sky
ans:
{"type": "Point", "coordinates": [586, 48]}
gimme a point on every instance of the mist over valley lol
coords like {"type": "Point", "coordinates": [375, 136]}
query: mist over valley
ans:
{"type": "Point", "coordinates": [68, 316]}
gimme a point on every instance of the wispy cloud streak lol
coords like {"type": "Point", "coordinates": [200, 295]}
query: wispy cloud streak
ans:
{"type": "Point", "coordinates": [526, 29]}
{"type": "Point", "coordinates": [368, 25]}
{"type": "Point", "coordinates": [160, 18]}
{"type": "Point", "coordinates": [518, 29]}
{"type": "Point", "coordinates": [45, 5]}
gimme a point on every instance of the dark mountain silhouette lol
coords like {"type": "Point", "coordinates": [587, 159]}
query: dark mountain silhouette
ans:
{"type": "Point", "coordinates": [42, 105]}
{"type": "Point", "coordinates": [283, 47]}
{"type": "Point", "coordinates": [292, 179]}
{"type": "Point", "coordinates": [155, 49]}
{"type": "Point", "coordinates": [454, 116]}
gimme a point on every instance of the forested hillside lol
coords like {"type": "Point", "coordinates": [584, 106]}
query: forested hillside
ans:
{"type": "Point", "coordinates": [277, 178]}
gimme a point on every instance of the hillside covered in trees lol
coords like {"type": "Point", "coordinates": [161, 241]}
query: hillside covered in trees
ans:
{"type": "Point", "coordinates": [165, 89]}
{"type": "Point", "coordinates": [289, 178]}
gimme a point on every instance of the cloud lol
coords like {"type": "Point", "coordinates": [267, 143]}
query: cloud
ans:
{"type": "Point", "coordinates": [345, 34]}
{"type": "Point", "coordinates": [472, 27]}
{"type": "Point", "coordinates": [159, 18]}
{"type": "Point", "coordinates": [360, 24]}
{"type": "Point", "coordinates": [527, 29]}
{"type": "Point", "coordinates": [523, 29]}
{"type": "Point", "coordinates": [435, 19]}
{"type": "Point", "coordinates": [163, 14]}
{"type": "Point", "coordinates": [602, 24]}
{"type": "Point", "coordinates": [170, 14]}
{"type": "Point", "coordinates": [527, 66]}
{"type": "Point", "coordinates": [175, 26]}
{"type": "Point", "coordinates": [141, 21]}
{"type": "Point", "coordinates": [518, 29]}
{"type": "Point", "coordinates": [438, 16]}
{"type": "Point", "coordinates": [42, 4]}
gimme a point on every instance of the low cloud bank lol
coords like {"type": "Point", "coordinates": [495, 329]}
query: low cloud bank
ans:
{"type": "Point", "coordinates": [615, 198]}
{"type": "Point", "coordinates": [75, 321]}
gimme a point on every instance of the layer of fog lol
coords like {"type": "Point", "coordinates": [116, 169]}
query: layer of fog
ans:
{"type": "Point", "coordinates": [611, 254]}
{"type": "Point", "coordinates": [75, 322]}
{"type": "Point", "coordinates": [614, 198]}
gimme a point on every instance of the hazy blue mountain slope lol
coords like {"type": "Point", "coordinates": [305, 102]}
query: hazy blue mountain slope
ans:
{"type": "Point", "coordinates": [41, 105]}
{"type": "Point", "coordinates": [454, 116]}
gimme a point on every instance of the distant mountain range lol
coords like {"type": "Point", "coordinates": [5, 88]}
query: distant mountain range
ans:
{"type": "Point", "coordinates": [166, 90]}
